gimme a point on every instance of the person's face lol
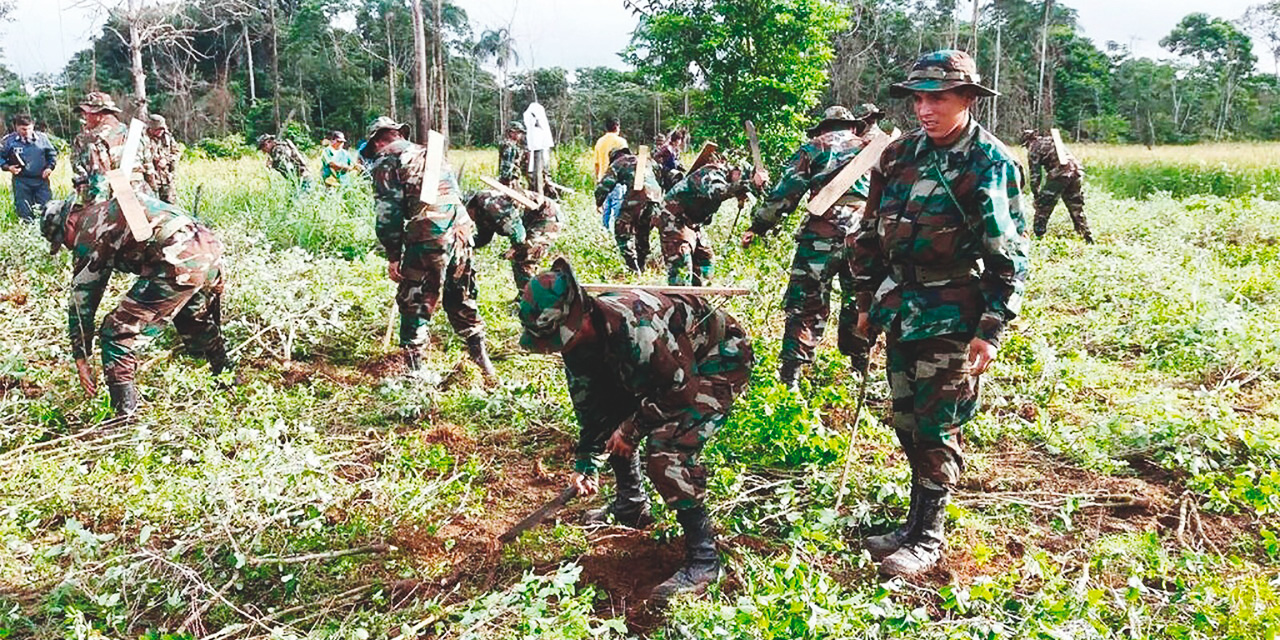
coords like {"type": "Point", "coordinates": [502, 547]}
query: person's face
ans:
{"type": "Point", "coordinates": [942, 113]}
{"type": "Point", "coordinates": [92, 119]}
{"type": "Point", "coordinates": [383, 139]}
{"type": "Point", "coordinates": [268, 146]}
{"type": "Point", "coordinates": [338, 143]}
{"type": "Point", "coordinates": [25, 130]}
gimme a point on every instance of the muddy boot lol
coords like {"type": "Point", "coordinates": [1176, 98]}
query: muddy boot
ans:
{"type": "Point", "coordinates": [702, 562]}
{"type": "Point", "coordinates": [923, 547]}
{"type": "Point", "coordinates": [789, 374]}
{"type": "Point", "coordinates": [630, 506]}
{"type": "Point", "coordinates": [412, 358]}
{"type": "Point", "coordinates": [124, 398]}
{"type": "Point", "coordinates": [480, 355]}
{"type": "Point", "coordinates": [883, 546]}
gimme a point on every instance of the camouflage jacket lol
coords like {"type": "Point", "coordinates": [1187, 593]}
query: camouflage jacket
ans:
{"type": "Point", "coordinates": [102, 244]}
{"type": "Point", "coordinates": [697, 197]}
{"type": "Point", "coordinates": [286, 159]}
{"type": "Point", "coordinates": [497, 214]}
{"type": "Point", "coordinates": [916, 255]}
{"type": "Point", "coordinates": [1041, 156]}
{"type": "Point", "coordinates": [162, 151]}
{"type": "Point", "coordinates": [511, 161]}
{"type": "Point", "coordinates": [402, 218]}
{"type": "Point", "coordinates": [623, 171]}
{"type": "Point", "coordinates": [810, 168]}
{"type": "Point", "coordinates": [639, 374]}
{"type": "Point", "coordinates": [95, 152]}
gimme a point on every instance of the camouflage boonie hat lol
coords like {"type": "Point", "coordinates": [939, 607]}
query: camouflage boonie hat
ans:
{"type": "Point", "coordinates": [383, 123]}
{"type": "Point", "coordinates": [868, 112]}
{"type": "Point", "coordinates": [942, 71]}
{"type": "Point", "coordinates": [157, 121]}
{"type": "Point", "coordinates": [551, 309]}
{"type": "Point", "coordinates": [1029, 134]}
{"type": "Point", "coordinates": [97, 102]}
{"type": "Point", "coordinates": [516, 125]}
{"type": "Point", "coordinates": [834, 113]}
{"type": "Point", "coordinates": [53, 222]}
{"type": "Point", "coordinates": [265, 138]}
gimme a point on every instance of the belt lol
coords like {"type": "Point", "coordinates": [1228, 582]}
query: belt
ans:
{"type": "Point", "coordinates": [915, 274]}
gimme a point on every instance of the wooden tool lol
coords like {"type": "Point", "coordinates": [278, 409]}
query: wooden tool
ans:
{"type": "Point", "coordinates": [135, 215]}
{"type": "Point", "coordinates": [520, 198]}
{"type": "Point", "coordinates": [1059, 148]}
{"type": "Point", "coordinates": [642, 165]}
{"type": "Point", "coordinates": [704, 156]}
{"type": "Point", "coordinates": [850, 174]}
{"type": "Point", "coordinates": [430, 191]}
{"type": "Point", "coordinates": [545, 511]}
{"type": "Point", "coordinates": [653, 288]}
{"type": "Point", "coordinates": [560, 187]}
{"type": "Point", "coordinates": [754, 140]}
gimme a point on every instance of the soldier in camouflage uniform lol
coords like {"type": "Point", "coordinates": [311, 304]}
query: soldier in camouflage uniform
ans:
{"type": "Point", "coordinates": [283, 156]}
{"type": "Point", "coordinates": [667, 160]}
{"type": "Point", "coordinates": [939, 262]}
{"type": "Point", "coordinates": [1060, 180]}
{"type": "Point", "coordinates": [821, 256]}
{"type": "Point", "coordinates": [639, 206]}
{"type": "Point", "coordinates": [179, 280]}
{"type": "Point", "coordinates": [512, 156]}
{"type": "Point", "coordinates": [162, 153]}
{"type": "Point", "coordinates": [429, 247]}
{"type": "Point", "coordinates": [97, 149]}
{"type": "Point", "coordinates": [531, 231]}
{"type": "Point", "coordinates": [663, 369]}
{"type": "Point", "coordinates": [688, 208]}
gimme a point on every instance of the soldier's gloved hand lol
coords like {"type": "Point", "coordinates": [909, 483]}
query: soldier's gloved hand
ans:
{"type": "Point", "coordinates": [87, 378]}
{"type": "Point", "coordinates": [586, 484]}
{"type": "Point", "coordinates": [393, 271]}
{"type": "Point", "coordinates": [748, 238]}
{"type": "Point", "coordinates": [618, 445]}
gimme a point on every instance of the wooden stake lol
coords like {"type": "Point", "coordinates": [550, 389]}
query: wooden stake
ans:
{"type": "Point", "coordinates": [753, 139]}
{"type": "Point", "coordinates": [135, 215]}
{"type": "Point", "coordinates": [653, 288]}
{"type": "Point", "coordinates": [708, 149]}
{"type": "Point", "coordinates": [850, 174]}
{"type": "Point", "coordinates": [430, 191]}
{"type": "Point", "coordinates": [509, 192]}
{"type": "Point", "coordinates": [642, 165]}
{"type": "Point", "coordinates": [1058, 147]}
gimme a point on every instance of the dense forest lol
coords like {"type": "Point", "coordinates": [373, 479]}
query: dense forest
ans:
{"type": "Point", "coordinates": [241, 67]}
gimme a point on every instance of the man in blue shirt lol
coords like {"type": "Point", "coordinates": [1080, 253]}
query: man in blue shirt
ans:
{"type": "Point", "coordinates": [28, 155]}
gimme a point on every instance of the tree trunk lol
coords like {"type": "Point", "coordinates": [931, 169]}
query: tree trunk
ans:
{"type": "Point", "coordinates": [391, 66]}
{"type": "Point", "coordinates": [442, 85]}
{"type": "Point", "coordinates": [1044, 117]}
{"type": "Point", "coordinates": [135, 64]}
{"type": "Point", "coordinates": [421, 112]}
{"type": "Point", "coordinates": [248, 58]}
{"type": "Point", "coordinates": [275, 67]}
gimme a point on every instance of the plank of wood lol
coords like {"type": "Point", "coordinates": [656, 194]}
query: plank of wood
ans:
{"type": "Point", "coordinates": [132, 142]}
{"type": "Point", "coordinates": [708, 149]}
{"type": "Point", "coordinates": [520, 198]}
{"type": "Point", "coordinates": [653, 288]}
{"type": "Point", "coordinates": [754, 140]}
{"type": "Point", "coordinates": [430, 192]}
{"type": "Point", "coordinates": [642, 165]}
{"type": "Point", "coordinates": [135, 215]}
{"type": "Point", "coordinates": [850, 174]}
{"type": "Point", "coordinates": [1058, 147]}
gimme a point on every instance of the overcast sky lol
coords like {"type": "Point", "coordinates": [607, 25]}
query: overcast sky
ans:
{"type": "Point", "coordinates": [585, 33]}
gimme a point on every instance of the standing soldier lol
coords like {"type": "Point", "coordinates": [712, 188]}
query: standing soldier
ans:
{"type": "Point", "coordinates": [98, 147]}
{"type": "Point", "coordinates": [162, 151]}
{"type": "Point", "coordinates": [1061, 180]}
{"type": "Point", "coordinates": [688, 208]}
{"type": "Point", "coordinates": [940, 260]}
{"type": "Point", "coordinates": [639, 206]}
{"type": "Point", "coordinates": [283, 156]}
{"type": "Point", "coordinates": [179, 280]}
{"type": "Point", "coordinates": [531, 231]}
{"type": "Point", "coordinates": [821, 256]}
{"type": "Point", "coordinates": [512, 156]}
{"type": "Point", "coordinates": [429, 247]}
{"type": "Point", "coordinates": [663, 369]}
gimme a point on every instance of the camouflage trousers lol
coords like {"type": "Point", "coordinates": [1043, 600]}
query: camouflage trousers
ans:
{"type": "Point", "coordinates": [426, 271]}
{"type": "Point", "coordinates": [527, 257]}
{"type": "Point", "coordinates": [193, 305]}
{"type": "Point", "coordinates": [818, 263]}
{"type": "Point", "coordinates": [687, 252]}
{"type": "Point", "coordinates": [933, 396]}
{"type": "Point", "coordinates": [1070, 190]}
{"type": "Point", "coordinates": [673, 451]}
{"type": "Point", "coordinates": [631, 231]}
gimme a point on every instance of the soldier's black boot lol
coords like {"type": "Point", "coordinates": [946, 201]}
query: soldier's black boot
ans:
{"type": "Point", "coordinates": [630, 506]}
{"type": "Point", "coordinates": [217, 357]}
{"type": "Point", "coordinates": [789, 374]}
{"type": "Point", "coordinates": [883, 546]}
{"type": "Point", "coordinates": [702, 562]}
{"type": "Point", "coordinates": [480, 355]}
{"type": "Point", "coordinates": [923, 547]}
{"type": "Point", "coordinates": [124, 398]}
{"type": "Point", "coordinates": [412, 358]}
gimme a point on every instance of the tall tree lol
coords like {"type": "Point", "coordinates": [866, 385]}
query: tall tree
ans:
{"type": "Point", "coordinates": [498, 45]}
{"type": "Point", "coordinates": [1221, 49]}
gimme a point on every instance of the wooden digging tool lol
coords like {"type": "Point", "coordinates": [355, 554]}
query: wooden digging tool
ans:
{"type": "Point", "coordinates": [757, 161]}
{"type": "Point", "coordinates": [654, 288]}
{"type": "Point", "coordinates": [560, 187]}
{"type": "Point", "coordinates": [534, 519]}
{"type": "Point", "coordinates": [642, 165]}
{"type": "Point", "coordinates": [1058, 147]}
{"type": "Point", "coordinates": [708, 149]}
{"type": "Point", "coordinates": [850, 174]}
{"type": "Point", "coordinates": [135, 215]}
{"type": "Point", "coordinates": [430, 191]}
{"type": "Point", "coordinates": [519, 198]}
{"type": "Point", "coordinates": [853, 431]}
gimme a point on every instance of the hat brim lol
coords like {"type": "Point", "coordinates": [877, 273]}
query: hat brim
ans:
{"type": "Point", "coordinates": [84, 108]}
{"type": "Point", "coordinates": [929, 85]}
{"type": "Point", "coordinates": [817, 128]}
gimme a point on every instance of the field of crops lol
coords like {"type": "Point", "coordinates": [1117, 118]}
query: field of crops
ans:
{"type": "Point", "coordinates": [1123, 480]}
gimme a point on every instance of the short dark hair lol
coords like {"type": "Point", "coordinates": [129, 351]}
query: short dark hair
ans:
{"type": "Point", "coordinates": [22, 121]}
{"type": "Point", "coordinates": [611, 124]}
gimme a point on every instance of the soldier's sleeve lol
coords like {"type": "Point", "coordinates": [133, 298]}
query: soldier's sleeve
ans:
{"type": "Point", "coordinates": [97, 163]}
{"type": "Point", "coordinates": [598, 415]}
{"type": "Point", "coordinates": [87, 286]}
{"type": "Point", "coordinates": [785, 196]}
{"type": "Point", "coordinates": [388, 205]}
{"type": "Point", "coordinates": [866, 260]}
{"type": "Point", "coordinates": [606, 185]}
{"type": "Point", "coordinates": [1001, 228]}
{"type": "Point", "coordinates": [1034, 162]}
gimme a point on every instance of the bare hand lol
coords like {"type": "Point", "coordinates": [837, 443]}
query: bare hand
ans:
{"type": "Point", "coordinates": [748, 238]}
{"type": "Point", "coordinates": [981, 354]}
{"type": "Point", "coordinates": [760, 177]}
{"type": "Point", "coordinates": [87, 377]}
{"type": "Point", "coordinates": [618, 445]}
{"type": "Point", "coordinates": [509, 253]}
{"type": "Point", "coordinates": [585, 484]}
{"type": "Point", "coordinates": [44, 175]}
{"type": "Point", "coordinates": [393, 271]}
{"type": "Point", "coordinates": [864, 324]}
{"type": "Point", "coordinates": [15, 169]}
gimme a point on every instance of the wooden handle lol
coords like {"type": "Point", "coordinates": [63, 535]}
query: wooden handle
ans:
{"type": "Point", "coordinates": [653, 288]}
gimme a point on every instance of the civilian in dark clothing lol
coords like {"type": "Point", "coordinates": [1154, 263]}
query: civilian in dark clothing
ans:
{"type": "Point", "coordinates": [28, 155]}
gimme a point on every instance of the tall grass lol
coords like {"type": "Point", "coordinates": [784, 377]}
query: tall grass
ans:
{"type": "Point", "coordinates": [1220, 169]}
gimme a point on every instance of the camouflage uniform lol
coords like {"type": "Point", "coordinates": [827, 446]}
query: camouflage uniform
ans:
{"type": "Point", "coordinates": [1060, 180]}
{"type": "Point", "coordinates": [531, 231]}
{"type": "Point", "coordinates": [285, 158]}
{"type": "Point", "coordinates": [162, 152]}
{"type": "Point", "coordinates": [667, 160]}
{"type": "Point", "coordinates": [820, 256]}
{"type": "Point", "coordinates": [689, 206]}
{"type": "Point", "coordinates": [432, 243]}
{"type": "Point", "coordinates": [179, 279]}
{"type": "Point", "coordinates": [512, 157]}
{"type": "Point", "coordinates": [96, 151]}
{"type": "Point", "coordinates": [639, 208]}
